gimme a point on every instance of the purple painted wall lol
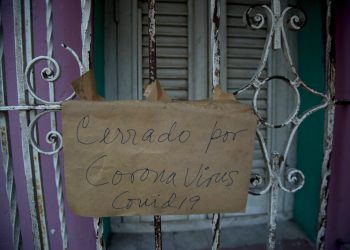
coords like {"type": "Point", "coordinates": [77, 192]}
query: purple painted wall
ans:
{"type": "Point", "coordinates": [66, 28]}
{"type": "Point", "coordinates": [338, 213]}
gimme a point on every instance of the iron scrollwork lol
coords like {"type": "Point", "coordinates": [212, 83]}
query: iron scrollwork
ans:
{"type": "Point", "coordinates": [258, 17]}
{"type": "Point", "coordinates": [50, 73]}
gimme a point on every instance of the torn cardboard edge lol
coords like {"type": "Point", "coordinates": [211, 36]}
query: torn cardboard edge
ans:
{"type": "Point", "coordinates": [85, 88]}
{"type": "Point", "coordinates": [218, 94]}
{"type": "Point", "coordinates": [155, 92]}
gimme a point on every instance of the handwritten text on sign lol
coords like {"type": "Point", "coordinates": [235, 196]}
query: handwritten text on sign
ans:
{"type": "Point", "coordinates": [137, 157]}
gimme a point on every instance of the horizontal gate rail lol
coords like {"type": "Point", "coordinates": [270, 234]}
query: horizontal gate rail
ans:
{"type": "Point", "coordinates": [30, 107]}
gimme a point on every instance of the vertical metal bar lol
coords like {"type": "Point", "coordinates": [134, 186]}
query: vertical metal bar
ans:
{"type": "Point", "coordinates": [32, 113]}
{"type": "Point", "coordinates": [223, 45]}
{"type": "Point", "coordinates": [134, 53]}
{"type": "Point", "coordinates": [34, 186]}
{"type": "Point", "coordinates": [152, 78]}
{"type": "Point", "coordinates": [216, 232]}
{"type": "Point", "coordinates": [276, 6]}
{"type": "Point", "coordinates": [85, 54]}
{"type": "Point", "coordinates": [10, 181]}
{"type": "Point", "coordinates": [328, 133]}
{"type": "Point", "coordinates": [29, 56]}
{"type": "Point", "coordinates": [53, 124]}
{"type": "Point", "coordinates": [157, 232]}
{"type": "Point", "coordinates": [86, 33]}
{"type": "Point", "coordinates": [31, 100]}
{"type": "Point", "coordinates": [6, 151]}
{"type": "Point", "coordinates": [190, 85]}
{"type": "Point", "coordinates": [215, 40]}
{"type": "Point", "coordinates": [215, 46]}
{"type": "Point", "coordinates": [139, 53]}
{"type": "Point", "coordinates": [152, 40]}
{"type": "Point", "coordinates": [275, 158]}
{"type": "Point", "coordinates": [272, 226]}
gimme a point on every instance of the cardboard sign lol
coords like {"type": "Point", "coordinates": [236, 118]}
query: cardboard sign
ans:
{"type": "Point", "coordinates": [143, 158]}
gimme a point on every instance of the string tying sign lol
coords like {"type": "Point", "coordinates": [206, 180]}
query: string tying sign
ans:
{"type": "Point", "coordinates": [143, 158]}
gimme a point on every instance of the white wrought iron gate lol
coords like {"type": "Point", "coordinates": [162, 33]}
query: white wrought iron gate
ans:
{"type": "Point", "coordinates": [32, 107]}
{"type": "Point", "coordinates": [182, 68]}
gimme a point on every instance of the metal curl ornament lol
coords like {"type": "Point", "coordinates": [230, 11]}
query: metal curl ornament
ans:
{"type": "Point", "coordinates": [295, 180]}
{"type": "Point", "coordinates": [296, 18]}
{"type": "Point", "coordinates": [256, 180]}
{"type": "Point", "coordinates": [52, 137]}
{"type": "Point", "coordinates": [258, 184]}
{"type": "Point", "coordinates": [50, 73]}
{"type": "Point", "coordinates": [255, 16]}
